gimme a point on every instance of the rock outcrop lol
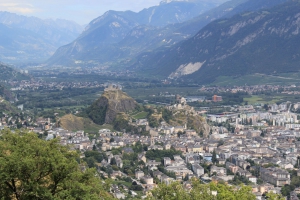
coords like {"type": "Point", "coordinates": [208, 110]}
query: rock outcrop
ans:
{"type": "Point", "coordinates": [111, 102]}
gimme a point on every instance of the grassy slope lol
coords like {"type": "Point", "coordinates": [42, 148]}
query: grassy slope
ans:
{"type": "Point", "coordinates": [7, 107]}
{"type": "Point", "coordinates": [74, 123]}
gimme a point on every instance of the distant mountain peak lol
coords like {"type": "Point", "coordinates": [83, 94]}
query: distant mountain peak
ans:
{"type": "Point", "coordinates": [169, 1]}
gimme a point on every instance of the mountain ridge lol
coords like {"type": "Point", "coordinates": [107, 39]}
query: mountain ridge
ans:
{"type": "Point", "coordinates": [244, 43]}
{"type": "Point", "coordinates": [135, 38]}
{"type": "Point", "coordinates": [99, 42]}
{"type": "Point", "coordinates": [32, 39]}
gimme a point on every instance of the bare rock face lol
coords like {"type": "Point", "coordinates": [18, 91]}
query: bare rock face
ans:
{"type": "Point", "coordinates": [112, 102]}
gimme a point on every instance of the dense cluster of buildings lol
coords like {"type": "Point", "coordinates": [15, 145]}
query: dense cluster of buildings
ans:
{"type": "Point", "coordinates": [260, 144]}
{"type": "Point", "coordinates": [43, 85]}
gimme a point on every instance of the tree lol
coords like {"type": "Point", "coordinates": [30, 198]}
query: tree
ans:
{"type": "Point", "coordinates": [210, 191]}
{"type": "Point", "coordinates": [113, 161]}
{"type": "Point", "coordinates": [266, 107]}
{"type": "Point", "coordinates": [201, 133]}
{"type": "Point", "coordinates": [31, 168]}
{"type": "Point", "coordinates": [273, 196]}
{"type": "Point", "coordinates": [214, 157]}
{"type": "Point", "coordinates": [179, 133]}
{"type": "Point", "coordinates": [287, 189]}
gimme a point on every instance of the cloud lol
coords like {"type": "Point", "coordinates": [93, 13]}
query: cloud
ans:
{"type": "Point", "coordinates": [18, 8]}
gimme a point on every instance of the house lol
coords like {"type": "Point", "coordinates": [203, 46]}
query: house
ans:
{"type": "Point", "coordinates": [242, 172]}
{"type": "Point", "coordinates": [293, 196]}
{"type": "Point", "coordinates": [178, 160]}
{"type": "Point", "coordinates": [231, 167]}
{"type": "Point", "coordinates": [191, 132]}
{"type": "Point", "coordinates": [180, 171]}
{"type": "Point", "coordinates": [197, 169]}
{"type": "Point", "coordinates": [190, 159]}
{"type": "Point", "coordinates": [167, 161]}
{"type": "Point", "coordinates": [221, 161]}
{"type": "Point", "coordinates": [139, 174]}
{"type": "Point", "coordinates": [253, 179]}
{"type": "Point", "coordinates": [275, 176]}
{"type": "Point", "coordinates": [158, 174]}
{"type": "Point", "coordinates": [119, 162]}
{"type": "Point", "coordinates": [178, 129]}
{"type": "Point", "coordinates": [148, 180]}
{"type": "Point", "coordinates": [180, 147]}
{"type": "Point", "coordinates": [152, 163]}
{"type": "Point", "coordinates": [155, 147]}
{"type": "Point", "coordinates": [142, 157]}
{"type": "Point", "coordinates": [166, 179]}
{"type": "Point", "coordinates": [218, 170]}
{"type": "Point", "coordinates": [197, 148]}
{"type": "Point", "coordinates": [167, 146]}
{"type": "Point", "coordinates": [127, 150]}
{"type": "Point", "coordinates": [189, 148]}
{"type": "Point", "coordinates": [153, 133]}
{"type": "Point", "coordinates": [286, 165]}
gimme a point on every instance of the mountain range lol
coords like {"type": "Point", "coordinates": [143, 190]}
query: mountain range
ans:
{"type": "Point", "coordinates": [166, 49]}
{"type": "Point", "coordinates": [192, 40]}
{"type": "Point", "coordinates": [118, 35]}
{"type": "Point", "coordinates": [30, 39]}
{"type": "Point", "coordinates": [264, 41]}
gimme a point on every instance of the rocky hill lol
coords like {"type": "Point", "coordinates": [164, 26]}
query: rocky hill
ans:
{"type": "Point", "coordinates": [194, 122]}
{"type": "Point", "coordinates": [111, 102]}
{"type": "Point", "coordinates": [265, 41]}
{"type": "Point", "coordinates": [6, 107]}
{"type": "Point", "coordinates": [8, 73]}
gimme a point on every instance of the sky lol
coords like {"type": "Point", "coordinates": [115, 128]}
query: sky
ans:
{"type": "Point", "coordinates": [80, 11]}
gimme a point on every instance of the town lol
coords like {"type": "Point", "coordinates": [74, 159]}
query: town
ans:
{"type": "Point", "coordinates": [256, 145]}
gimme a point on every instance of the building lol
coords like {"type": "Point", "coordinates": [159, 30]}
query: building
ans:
{"type": "Point", "coordinates": [197, 169]}
{"type": "Point", "coordinates": [167, 161]}
{"type": "Point", "coordinates": [275, 176]}
{"type": "Point", "coordinates": [216, 98]}
{"type": "Point", "coordinates": [139, 174]}
{"type": "Point", "coordinates": [148, 180]}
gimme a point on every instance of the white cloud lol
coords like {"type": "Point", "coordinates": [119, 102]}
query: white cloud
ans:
{"type": "Point", "coordinates": [20, 8]}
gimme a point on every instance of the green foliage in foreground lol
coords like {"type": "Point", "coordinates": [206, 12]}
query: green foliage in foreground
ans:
{"type": "Point", "coordinates": [31, 168]}
{"type": "Point", "coordinates": [210, 191]}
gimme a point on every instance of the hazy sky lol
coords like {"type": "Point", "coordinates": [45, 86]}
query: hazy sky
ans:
{"type": "Point", "coordinates": [80, 11]}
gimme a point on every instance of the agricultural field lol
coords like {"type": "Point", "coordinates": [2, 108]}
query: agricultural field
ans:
{"type": "Point", "coordinates": [258, 79]}
{"type": "Point", "coordinates": [140, 115]}
{"type": "Point", "coordinates": [270, 99]}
